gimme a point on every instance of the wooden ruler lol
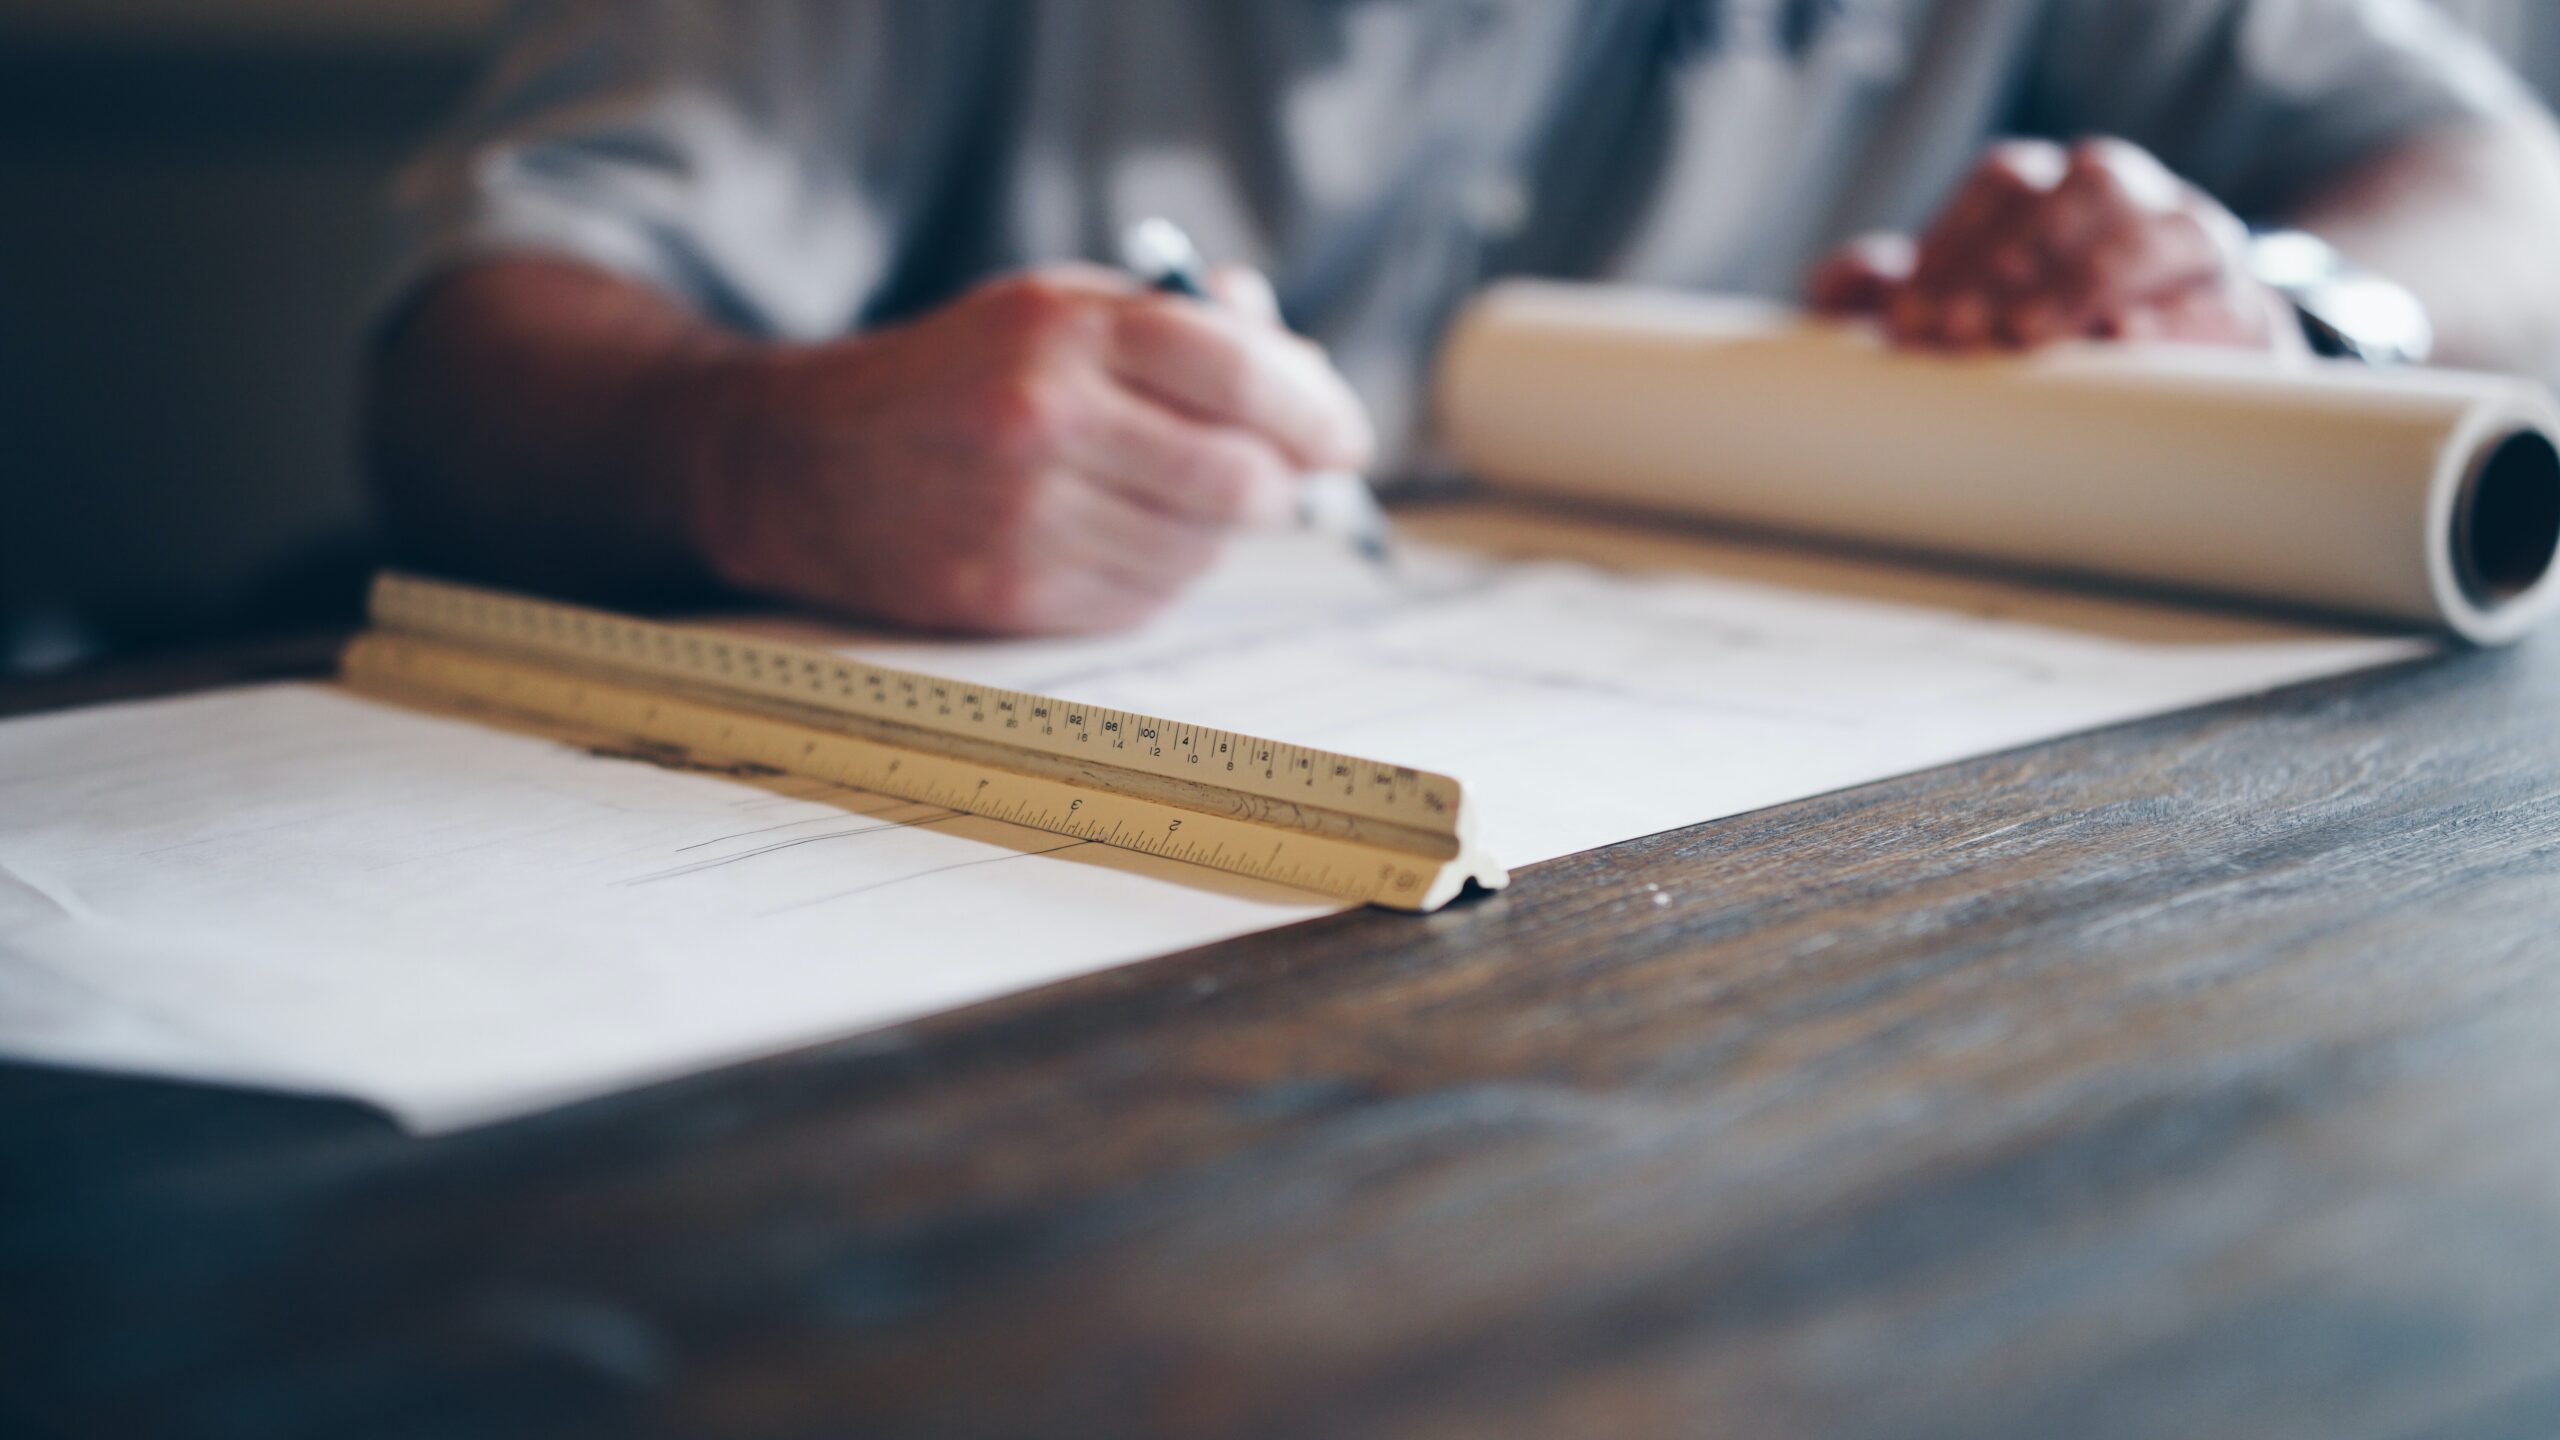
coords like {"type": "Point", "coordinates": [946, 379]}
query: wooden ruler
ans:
{"type": "Point", "coordinates": [1338, 825]}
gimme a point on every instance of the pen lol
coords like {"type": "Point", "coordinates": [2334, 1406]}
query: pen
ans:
{"type": "Point", "coordinates": [1335, 502]}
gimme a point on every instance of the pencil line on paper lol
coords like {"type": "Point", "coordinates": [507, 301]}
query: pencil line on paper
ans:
{"type": "Point", "coordinates": [922, 874]}
{"type": "Point", "coordinates": [833, 813]}
{"type": "Point", "coordinates": [713, 864]}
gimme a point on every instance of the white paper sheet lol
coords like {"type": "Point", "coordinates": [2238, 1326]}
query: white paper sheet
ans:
{"type": "Point", "coordinates": [295, 887]}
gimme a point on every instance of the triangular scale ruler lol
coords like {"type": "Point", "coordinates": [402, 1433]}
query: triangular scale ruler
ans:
{"type": "Point", "coordinates": [1340, 825]}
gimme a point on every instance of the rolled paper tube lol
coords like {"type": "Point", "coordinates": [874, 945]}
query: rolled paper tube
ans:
{"type": "Point", "coordinates": [2426, 497]}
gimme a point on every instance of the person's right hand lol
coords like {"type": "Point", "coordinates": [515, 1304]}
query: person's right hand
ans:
{"type": "Point", "coordinates": [1059, 450]}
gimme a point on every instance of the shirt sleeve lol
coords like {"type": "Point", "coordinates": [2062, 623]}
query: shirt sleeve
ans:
{"type": "Point", "coordinates": [2259, 101]}
{"type": "Point", "coordinates": [719, 152]}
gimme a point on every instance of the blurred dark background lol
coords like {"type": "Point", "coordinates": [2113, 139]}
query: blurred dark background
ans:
{"type": "Point", "coordinates": [190, 226]}
{"type": "Point", "coordinates": [190, 202]}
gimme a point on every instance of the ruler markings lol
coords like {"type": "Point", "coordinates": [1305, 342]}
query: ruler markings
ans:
{"type": "Point", "coordinates": [1386, 834]}
{"type": "Point", "coordinates": [1047, 724]}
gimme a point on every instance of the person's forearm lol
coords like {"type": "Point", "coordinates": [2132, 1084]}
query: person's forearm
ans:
{"type": "Point", "coordinates": [536, 423]}
{"type": "Point", "coordinates": [2469, 220]}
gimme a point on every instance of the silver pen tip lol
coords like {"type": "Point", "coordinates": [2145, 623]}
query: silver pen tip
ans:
{"type": "Point", "coordinates": [1157, 246]}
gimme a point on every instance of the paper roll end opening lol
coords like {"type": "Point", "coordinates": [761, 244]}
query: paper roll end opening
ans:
{"type": "Point", "coordinates": [2506, 528]}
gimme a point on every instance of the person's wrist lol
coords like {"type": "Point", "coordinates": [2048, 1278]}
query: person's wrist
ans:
{"type": "Point", "coordinates": [705, 412]}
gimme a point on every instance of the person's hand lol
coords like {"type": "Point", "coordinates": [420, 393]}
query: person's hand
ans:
{"type": "Point", "coordinates": [2042, 244]}
{"type": "Point", "coordinates": [1055, 451]}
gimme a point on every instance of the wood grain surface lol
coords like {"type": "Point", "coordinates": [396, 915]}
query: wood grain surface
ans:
{"type": "Point", "coordinates": [2196, 1078]}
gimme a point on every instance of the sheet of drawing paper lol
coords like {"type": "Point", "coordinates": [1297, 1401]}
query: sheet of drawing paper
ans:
{"type": "Point", "coordinates": [295, 887]}
{"type": "Point", "coordinates": [1591, 683]}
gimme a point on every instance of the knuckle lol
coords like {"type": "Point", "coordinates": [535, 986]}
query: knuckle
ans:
{"type": "Point", "coordinates": [1996, 175]}
{"type": "Point", "coordinates": [1023, 417]}
{"type": "Point", "coordinates": [2019, 165]}
{"type": "Point", "coordinates": [2125, 173]}
{"type": "Point", "coordinates": [2099, 152]}
{"type": "Point", "coordinates": [1030, 310]}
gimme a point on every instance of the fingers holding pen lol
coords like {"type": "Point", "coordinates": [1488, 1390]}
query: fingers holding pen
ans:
{"type": "Point", "coordinates": [1208, 475]}
{"type": "Point", "coordinates": [1229, 369]}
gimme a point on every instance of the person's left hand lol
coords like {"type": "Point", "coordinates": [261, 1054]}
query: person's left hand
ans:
{"type": "Point", "coordinates": [2042, 244]}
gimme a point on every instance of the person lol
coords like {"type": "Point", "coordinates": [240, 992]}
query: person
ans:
{"type": "Point", "coordinates": [801, 299]}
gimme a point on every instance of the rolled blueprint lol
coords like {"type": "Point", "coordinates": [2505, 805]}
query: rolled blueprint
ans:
{"type": "Point", "coordinates": [2418, 496]}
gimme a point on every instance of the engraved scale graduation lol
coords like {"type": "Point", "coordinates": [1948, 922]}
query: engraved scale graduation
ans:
{"type": "Point", "coordinates": [1339, 825]}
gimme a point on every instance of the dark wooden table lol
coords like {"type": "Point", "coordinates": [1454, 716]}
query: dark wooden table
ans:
{"type": "Point", "coordinates": [2196, 1078]}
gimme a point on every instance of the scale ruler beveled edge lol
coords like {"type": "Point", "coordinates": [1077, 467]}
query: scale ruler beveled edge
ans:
{"type": "Point", "coordinates": [1058, 726]}
{"type": "Point", "coordinates": [498, 651]}
{"type": "Point", "coordinates": [408, 668]}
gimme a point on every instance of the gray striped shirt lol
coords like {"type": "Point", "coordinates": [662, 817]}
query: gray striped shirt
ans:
{"type": "Point", "coordinates": [807, 169]}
